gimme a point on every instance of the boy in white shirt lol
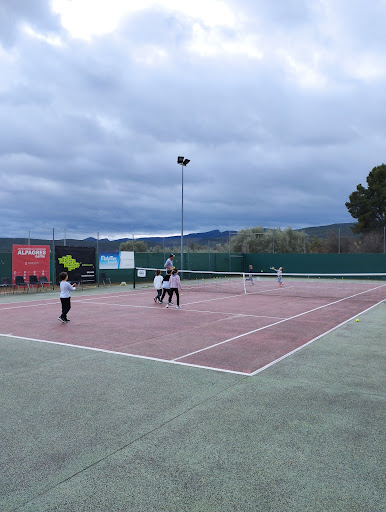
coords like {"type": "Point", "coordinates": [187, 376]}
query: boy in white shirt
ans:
{"type": "Point", "coordinates": [65, 297]}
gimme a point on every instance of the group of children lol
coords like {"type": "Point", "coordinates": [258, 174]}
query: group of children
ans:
{"type": "Point", "coordinates": [169, 284]}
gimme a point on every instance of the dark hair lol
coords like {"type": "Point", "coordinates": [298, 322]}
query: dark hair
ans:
{"type": "Point", "coordinates": [62, 276]}
{"type": "Point", "coordinates": [171, 256]}
{"type": "Point", "coordinates": [175, 270]}
{"type": "Point", "coordinates": [169, 271]}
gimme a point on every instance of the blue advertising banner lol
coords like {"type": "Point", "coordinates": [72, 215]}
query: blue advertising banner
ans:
{"type": "Point", "coordinates": [116, 260]}
{"type": "Point", "coordinates": [109, 260]}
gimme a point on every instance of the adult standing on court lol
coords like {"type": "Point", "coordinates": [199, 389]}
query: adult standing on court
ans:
{"type": "Point", "coordinates": [169, 262]}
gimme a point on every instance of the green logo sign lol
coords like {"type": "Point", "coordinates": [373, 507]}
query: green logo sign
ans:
{"type": "Point", "coordinates": [68, 262]}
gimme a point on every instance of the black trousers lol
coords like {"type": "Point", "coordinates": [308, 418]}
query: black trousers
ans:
{"type": "Point", "coordinates": [164, 293]}
{"type": "Point", "coordinates": [66, 306]}
{"type": "Point", "coordinates": [175, 290]}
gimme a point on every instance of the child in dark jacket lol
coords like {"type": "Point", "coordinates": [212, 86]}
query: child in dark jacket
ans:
{"type": "Point", "coordinates": [166, 287]}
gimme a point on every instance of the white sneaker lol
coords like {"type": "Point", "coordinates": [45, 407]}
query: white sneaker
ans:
{"type": "Point", "coordinates": [167, 305]}
{"type": "Point", "coordinates": [178, 307]}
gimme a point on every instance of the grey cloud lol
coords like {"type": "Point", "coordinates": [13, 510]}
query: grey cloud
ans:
{"type": "Point", "coordinates": [98, 130]}
{"type": "Point", "coordinates": [14, 13]}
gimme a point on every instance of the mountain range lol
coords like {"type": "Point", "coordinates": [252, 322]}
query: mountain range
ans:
{"type": "Point", "coordinates": [215, 236]}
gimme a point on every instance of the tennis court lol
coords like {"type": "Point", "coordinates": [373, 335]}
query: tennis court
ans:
{"type": "Point", "coordinates": [117, 409]}
{"type": "Point", "coordinates": [217, 328]}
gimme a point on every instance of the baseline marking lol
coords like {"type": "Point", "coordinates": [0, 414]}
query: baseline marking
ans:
{"type": "Point", "coordinates": [170, 361]}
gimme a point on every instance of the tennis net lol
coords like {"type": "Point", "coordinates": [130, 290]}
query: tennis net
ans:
{"type": "Point", "coordinates": [361, 286]}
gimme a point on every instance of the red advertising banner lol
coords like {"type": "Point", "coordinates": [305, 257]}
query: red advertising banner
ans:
{"type": "Point", "coordinates": [30, 260]}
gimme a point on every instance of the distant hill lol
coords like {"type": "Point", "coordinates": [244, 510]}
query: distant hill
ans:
{"type": "Point", "coordinates": [323, 231]}
{"type": "Point", "coordinates": [215, 236]}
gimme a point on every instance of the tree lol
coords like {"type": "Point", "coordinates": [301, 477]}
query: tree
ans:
{"type": "Point", "coordinates": [139, 246]}
{"type": "Point", "coordinates": [368, 205]}
{"type": "Point", "coordinates": [289, 241]}
{"type": "Point", "coordinates": [256, 240]}
{"type": "Point", "coordinates": [316, 245]}
{"type": "Point", "coordinates": [251, 240]}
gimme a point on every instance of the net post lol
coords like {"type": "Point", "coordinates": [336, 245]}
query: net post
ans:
{"type": "Point", "coordinates": [134, 272]}
{"type": "Point", "coordinates": [245, 288]}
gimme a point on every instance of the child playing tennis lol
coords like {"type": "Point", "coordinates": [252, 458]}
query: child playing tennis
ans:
{"type": "Point", "coordinates": [175, 286]}
{"type": "Point", "coordinates": [158, 286]}
{"type": "Point", "coordinates": [65, 297]}
{"type": "Point", "coordinates": [279, 275]}
{"type": "Point", "coordinates": [166, 287]}
{"type": "Point", "coordinates": [250, 274]}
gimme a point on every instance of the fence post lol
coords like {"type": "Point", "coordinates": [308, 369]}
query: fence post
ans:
{"type": "Point", "coordinates": [53, 259]}
{"type": "Point", "coordinates": [97, 258]}
{"type": "Point", "coordinates": [230, 266]}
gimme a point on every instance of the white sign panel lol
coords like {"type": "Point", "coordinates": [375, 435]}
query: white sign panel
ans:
{"type": "Point", "coordinates": [126, 259]}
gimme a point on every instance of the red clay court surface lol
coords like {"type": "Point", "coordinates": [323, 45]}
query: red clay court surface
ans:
{"type": "Point", "coordinates": [234, 333]}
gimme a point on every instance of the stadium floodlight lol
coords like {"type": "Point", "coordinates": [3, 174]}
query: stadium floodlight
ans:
{"type": "Point", "coordinates": [183, 162]}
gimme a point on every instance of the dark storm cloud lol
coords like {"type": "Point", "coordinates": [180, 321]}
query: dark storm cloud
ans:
{"type": "Point", "coordinates": [279, 121]}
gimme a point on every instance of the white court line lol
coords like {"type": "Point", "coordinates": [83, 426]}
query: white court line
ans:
{"type": "Point", "coordinates": [185, 309]}
{"type": "Point", "coordinates": [271, 325]}
{"type": "Point", "coordinates": [225, 297]}
{"type": "Point", "coordinates": [187, 303]}
{"type": "Point", "coordinates": [74, 297]}
{"type": "Point", "coordinates": [170, 361]}
{"type": "Point", "coordinates": [232, 314]}
{"type": "Point", "coordinates": [91, 300]}
{"type": "Point", "coordinates": [29, 305]}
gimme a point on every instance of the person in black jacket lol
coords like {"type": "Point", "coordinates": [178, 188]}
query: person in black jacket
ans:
{"type": "Point", "coordinates": [166, 287]}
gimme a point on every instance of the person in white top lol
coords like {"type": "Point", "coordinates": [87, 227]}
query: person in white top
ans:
{"type": "Point", "coordinates": [158, 286]}
{"type": "Point", "coordinates": [65, 296]}
{"type": "Point", "coordinates": [279, 275]}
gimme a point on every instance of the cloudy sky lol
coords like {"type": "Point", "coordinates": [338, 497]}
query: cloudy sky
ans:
{"type": "Point", "coordinates": [279, 105]}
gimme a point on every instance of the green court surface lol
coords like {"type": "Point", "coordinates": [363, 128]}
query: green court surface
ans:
{"type": "Point", "coordinates": [92, 431]}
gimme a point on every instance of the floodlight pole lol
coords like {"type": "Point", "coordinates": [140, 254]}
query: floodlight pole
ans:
{"type": "Point", "coordinates": [183, 162]}
{"type": "Point", "coordinates": [182, 217]}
